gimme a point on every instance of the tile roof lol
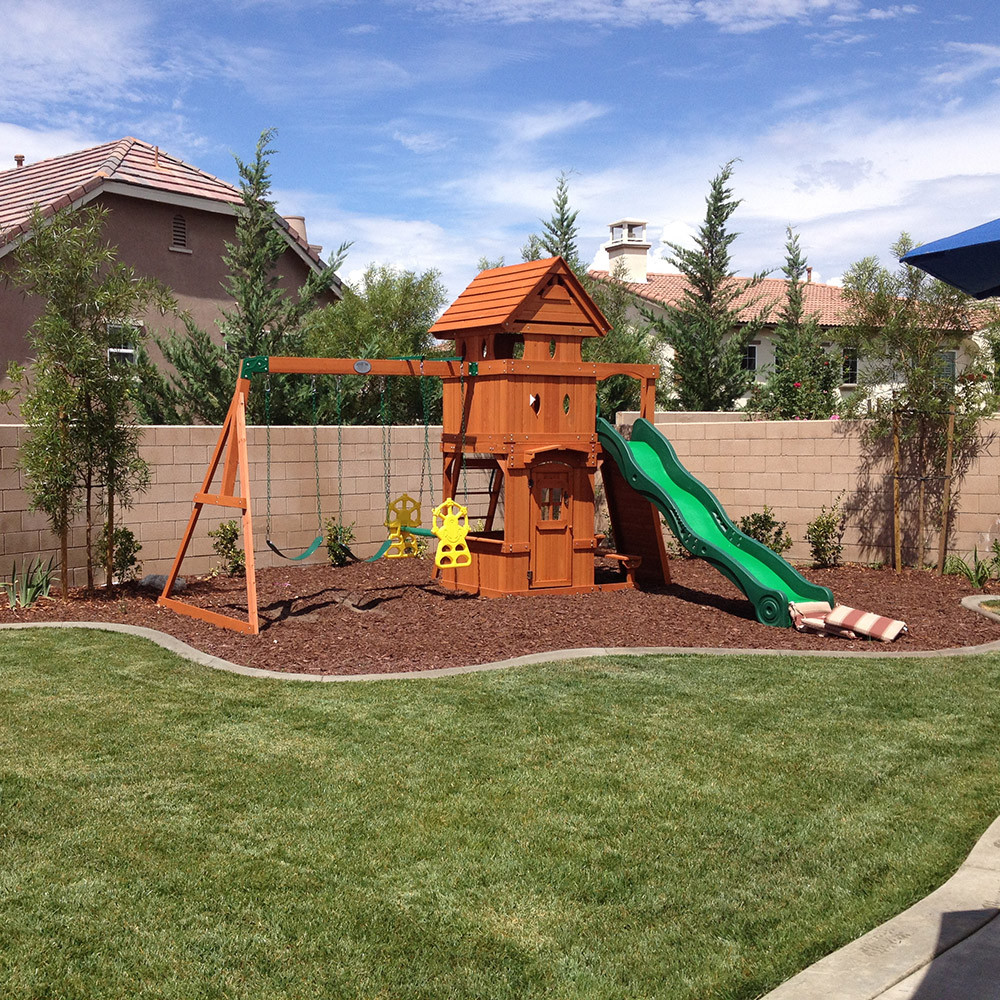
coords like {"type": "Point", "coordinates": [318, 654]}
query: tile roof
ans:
{"type": "Point", "coordinates": [62, 181]}
{"type": "Point", "coordinates": [494, 298]}
{"type": "Point", "coordinates": [824, 300]}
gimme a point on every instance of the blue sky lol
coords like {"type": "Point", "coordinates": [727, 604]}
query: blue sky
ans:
{"type": "Point", "coordinates": [431, 132]}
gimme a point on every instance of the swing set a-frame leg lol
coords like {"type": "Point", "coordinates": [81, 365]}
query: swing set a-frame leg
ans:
{"type": "Point", "coordinates": [231, 449]}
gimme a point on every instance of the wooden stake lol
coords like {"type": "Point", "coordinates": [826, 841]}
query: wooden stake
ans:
{"type": "Point", "coordinates": [946, 494]}
{"type": "Point", "coordinates": [897, 540]}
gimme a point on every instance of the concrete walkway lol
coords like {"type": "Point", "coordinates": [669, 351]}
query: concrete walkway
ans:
{"type": "Point", "coordinates": [945, 947]}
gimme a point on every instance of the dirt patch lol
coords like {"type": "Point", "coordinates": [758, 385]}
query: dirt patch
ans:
{"type": "Point", "coordinates": [389, 616]}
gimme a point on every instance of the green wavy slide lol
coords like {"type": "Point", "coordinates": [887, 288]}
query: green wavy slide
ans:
{"type": "Point", "coordinates": [651, 467]}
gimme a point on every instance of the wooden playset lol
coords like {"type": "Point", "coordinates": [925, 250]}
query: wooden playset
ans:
{"type": "Point", "coordinates": [518, 401]}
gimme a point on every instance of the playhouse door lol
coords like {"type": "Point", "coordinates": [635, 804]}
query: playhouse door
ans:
{"type": "Point", "coordinates": [551, 560]}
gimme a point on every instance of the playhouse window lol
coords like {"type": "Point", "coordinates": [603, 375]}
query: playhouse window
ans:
{"type": "Point", "coordinates": [552, 503]}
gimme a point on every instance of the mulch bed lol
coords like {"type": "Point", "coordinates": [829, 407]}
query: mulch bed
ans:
{"type": "Point", "coordinates": [389, 616]}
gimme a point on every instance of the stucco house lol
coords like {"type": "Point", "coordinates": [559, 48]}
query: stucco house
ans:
{"type": "Point", "coordinates": [628, 243]}
{"type": "Point", "coordinates": [168, 219]}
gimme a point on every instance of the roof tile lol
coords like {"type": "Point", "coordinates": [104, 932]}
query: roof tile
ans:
{"type": "Point", "coordinates": [826, 301]}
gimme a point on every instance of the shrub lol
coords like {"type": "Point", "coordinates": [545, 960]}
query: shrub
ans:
{"type": "Point", "coordinates": [762, 526]}
{"type": "Point", "coordinates": [977, 572]}
{"type": "Point", "coordinates": [124, 564]}
{"type": "Point", "coordinates": [234, 559]}
{"type": "Point", "coordinates": [825, 534]}
{"type": "Point", "coordinates": [338, 541]}
{"type": "Point", "coordinates": [33, 582]}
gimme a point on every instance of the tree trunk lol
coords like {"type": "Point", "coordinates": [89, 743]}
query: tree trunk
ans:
{"type": "Point", "coordinates": [89, 536]}
{"type": "Point", "coordinates": [64, 557]}
{"type": "Point", "coordinates": [109, 551]}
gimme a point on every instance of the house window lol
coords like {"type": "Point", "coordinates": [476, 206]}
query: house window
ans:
{"type": "Point", "coordinates": [749, 362]}
{"type": "Point", "coordinates": [946, 365]}
{"type": "Point", "coordinates": [122, 339]}
{"type": "Point", "coordinates": [179, 234]}
{"type": "Point", "coordinates": [850, 366]}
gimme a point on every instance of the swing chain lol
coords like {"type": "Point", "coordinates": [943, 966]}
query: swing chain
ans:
{"type": "Point", "coordinates": [340, 449]}
{"type": "Point", "coordinates": [315, 417]}
{"type": "Point", "coordinates": [426, 467]}
{"type": "Point", "coordinates": [385, 413]}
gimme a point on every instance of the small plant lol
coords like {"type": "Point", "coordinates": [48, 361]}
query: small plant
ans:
{"type": "Point", "coordinates": [825, 534]}
{"type": "Point", "coordinates": [32, 583]}
{"type": "Point", "coordinates": [978, 572]}
{"type": "Point", "coordinates": [762, 526]}
{"type": "Point", "coordinates": [338, 541]}
{"type": "Point", "coordinates": [125, 565]}
{"type": "Point", "coordinates": [234, 559]}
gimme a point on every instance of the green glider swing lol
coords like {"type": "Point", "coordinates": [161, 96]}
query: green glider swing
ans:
{"type": "Point", "coordinates": [318, 540]}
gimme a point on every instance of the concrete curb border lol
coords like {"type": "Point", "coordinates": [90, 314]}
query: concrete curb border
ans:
{"type": "Point", "coordinates": [181, 648]}
{"type": "Point", "coordinates": [901, 951]}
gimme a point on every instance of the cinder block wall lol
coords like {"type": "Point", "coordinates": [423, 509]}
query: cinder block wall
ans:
{"type": "Point", "coordinates": [179, 458]}
{"type": "Point", "coordinates": [794, 466]}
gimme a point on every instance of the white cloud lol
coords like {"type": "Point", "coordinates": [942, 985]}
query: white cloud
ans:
{"type": "Point", "coordinates": [971, 60]}
{"type": "Point", "coordinates": [39, 144]}
{"type": "Point", "coordinates": [420, 142]}
{"type": "Point", "coordinates": [622, 13]}
{"type": "Point", "coordinates": [58, 52]}
{"type": "Point", "coordinates": [531, 126]}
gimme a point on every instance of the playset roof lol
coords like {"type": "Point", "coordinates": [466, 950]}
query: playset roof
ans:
{"type": "Point", "coordinates": [504, 299]}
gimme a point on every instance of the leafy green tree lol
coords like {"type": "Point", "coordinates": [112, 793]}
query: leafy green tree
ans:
{"type": "Point", "coordinates": [707, 329]}
{"type": "Point", "coordinates": [904, 324]}
{"type": "Point", "coordinates": [264, 320]}
{"type": "Point", "coordinates": [82, 449]}
{"type": "Point", "coordinates": [629, 341]}
{"type": "Point", "coordinates": [805, 378]}
{"type": "Point", "coordinates": [388, 315]}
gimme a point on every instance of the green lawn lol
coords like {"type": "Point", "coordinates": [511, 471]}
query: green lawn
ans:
{"type": "Point", "coordinates": [624, 828]}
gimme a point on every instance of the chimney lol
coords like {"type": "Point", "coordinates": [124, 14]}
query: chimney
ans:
{"type": "Point", "coordinates": [809, 275]}
{"type": "Point", "coordinates": [297, 224]}
{"type": "Point", "coordinates": [19, 159]}
{"type": "Point", "coordinates": [628, 243]}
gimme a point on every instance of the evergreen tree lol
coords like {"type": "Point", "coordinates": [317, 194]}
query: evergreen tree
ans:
{"type": "Point", "coordinates": [804, 381]}
{"type": "Point", "coordinates": [264, 319]}
{"type": "Point", "coordinates": [559, 232]}
{"type": "Point", "coordinates": [82, 450]}
{"type": "Point", "coordinates": [707, 329]}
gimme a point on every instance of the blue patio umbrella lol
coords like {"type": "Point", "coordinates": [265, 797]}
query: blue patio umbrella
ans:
{"type": "Point", "coordinates": [969, 260]}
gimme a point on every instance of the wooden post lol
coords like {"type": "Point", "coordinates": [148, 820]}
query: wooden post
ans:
{"type": "Point", "coordinates": [946, 494]}
{"type": "Point", "coordinates": [897, 541]}
{"type": "Point", "coordinates": [231, 449]}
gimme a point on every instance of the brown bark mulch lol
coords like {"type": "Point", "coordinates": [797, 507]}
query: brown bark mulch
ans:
{"type": "Point", "coordinates": [390, 616]}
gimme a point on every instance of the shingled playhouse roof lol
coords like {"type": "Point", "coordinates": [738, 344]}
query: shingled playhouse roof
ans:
{"type": "Point", "coordinates": [128, 167]}
{"type": "Point", "coordinates": [504, 298]}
